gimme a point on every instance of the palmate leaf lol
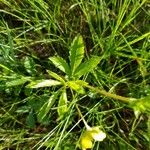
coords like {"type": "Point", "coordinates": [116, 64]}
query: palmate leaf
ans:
{"type": "Point", "coordinates": [17, 82]}
{"type": "Point", "coordinates": [76, 86]}
{"type": "Point", "coordinates": [87, 66]}
{"type": "Point", "coordinates": [43, 83]}
{"type": "Point", "coordinates": [47, 106]}
{"type": "Point", "coordinates": [62, 105]}
{"type": "Point", "coordinates": [56, 76]}
{"type": "Point", "coordinates": [76, 52]}
{"type": "Point", "coordinates": [61, 64]}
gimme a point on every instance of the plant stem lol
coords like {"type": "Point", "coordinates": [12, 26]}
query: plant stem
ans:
{"type": "Point", "coordinates": [121, 98]}
{"type": "Point", "coordinates": [85, 123]}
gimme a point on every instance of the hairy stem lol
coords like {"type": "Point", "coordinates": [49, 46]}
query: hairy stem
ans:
{"type": "Point", "coordinates": [114, 96]}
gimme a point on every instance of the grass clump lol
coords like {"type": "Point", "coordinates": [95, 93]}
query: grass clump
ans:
{"type": "Point", "coordinates": [69, 64]}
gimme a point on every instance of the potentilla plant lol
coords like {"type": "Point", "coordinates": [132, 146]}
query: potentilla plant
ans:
{"type": "Point", "coordinates": [73, 72]}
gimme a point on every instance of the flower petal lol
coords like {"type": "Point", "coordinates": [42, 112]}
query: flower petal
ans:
{"type": "Point", "coordinates": [86, 143]}
{"type": "Point", "coordinates": [99, 136]}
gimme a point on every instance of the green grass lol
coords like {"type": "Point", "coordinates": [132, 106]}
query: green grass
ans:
{"type": "Point", "coordinates": [36, 33]}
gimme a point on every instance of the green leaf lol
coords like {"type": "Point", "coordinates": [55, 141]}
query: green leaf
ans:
{"type": "Point", "coordinates": [56, 76]}
{"type": "Point", "coordinates": [29, 65]}
{"type": "Point", "coordinates": [23, 109]}
{"type": "Point", "coordinates": [140, 105]}
{"type": "Point", "coordinates": [47, 106]}
{"type": "Point", "coordinates": [30, 121]}
{"type": "Point", "coordinates": [61, 64]}
{"type": "Point", "coordinates": [43, 83]}
{"type": "Point", "coordinates": [62, 105]}
{"type": "Point", "coordinates": [76, 52]}
{"type": "Point", "coordinates": [81, 82]}
{"type": "Point", "coordinates": [36, 102]}
{"type": "Point", "coordinates": [75, 86]}
{"type": "Point", "coordinates": [136, 40]}
{"type": "Point", "coordinates": [5, 67]}
{"type": "Point", "coordinates": [87, 66]}
{"type": "Point", "coordinates": [17, 82]}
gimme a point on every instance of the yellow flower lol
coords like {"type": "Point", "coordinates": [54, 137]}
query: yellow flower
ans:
{"type": "Point", "coordinates": [91, 134]}
{"type": "Point", "coordinates": [97, 134]}
{"type": "Point", "coordinates": [86, 142]}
